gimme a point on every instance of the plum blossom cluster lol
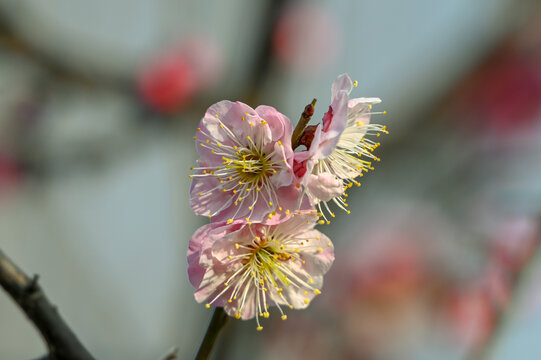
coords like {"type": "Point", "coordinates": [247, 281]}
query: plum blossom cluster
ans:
{"type": "Point", "coordinates": [264, 199]}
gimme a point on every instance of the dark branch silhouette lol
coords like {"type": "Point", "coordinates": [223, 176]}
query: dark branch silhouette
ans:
{"type": "Point", "coordinates": [26, 292]}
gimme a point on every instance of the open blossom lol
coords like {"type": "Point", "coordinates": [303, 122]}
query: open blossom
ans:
{"type": "Point", "coordinates": [247, 269]}
{"type": "Point", "coordinates": [245, 167]}
{"type": "Point", "coordinates": [339, 152]}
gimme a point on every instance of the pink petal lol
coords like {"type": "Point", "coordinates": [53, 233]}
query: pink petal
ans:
{"type": "Point", "coordinates": [325, 186]}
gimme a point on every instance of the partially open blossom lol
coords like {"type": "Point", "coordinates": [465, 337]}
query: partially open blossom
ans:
{"type": "Point", "coordinates": [247, 269]}
{"type": "Point", "coordinates": [245, 167]}
{"type": "Point", "coordinates": [339, 151]}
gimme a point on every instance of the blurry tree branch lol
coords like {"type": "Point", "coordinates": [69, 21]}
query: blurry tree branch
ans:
{"type": "Point", "coordinates": [26, 292]}
{"type": "Point", "coordinates": [172, 355]}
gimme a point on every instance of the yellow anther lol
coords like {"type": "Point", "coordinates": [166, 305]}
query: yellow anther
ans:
{"type": "Point", "coordinates": [321, 222]}
{"type": "Point", "coordinates": [237, 316]}
{"type": "Point", "coordinates": [236, 246]}
{"type": "Point", "coordinates": [355, 83]}
{"type": "Point", "coordinates": [229, 221]}
{"type": "Point", "coordinates": [284, 317]}
{"type": "Point", "coordinates": [317, 292]}
{"type": "Point", "coordinates": [307, 301]}
{"type": "Point", "coordinates": [207, 306]}
{"type": "Point", "coordinates": [319, 250]}
{"type": "Point", "coordinates": [259, 328]}
{"type": "Point", "coordinates": [279, 143]}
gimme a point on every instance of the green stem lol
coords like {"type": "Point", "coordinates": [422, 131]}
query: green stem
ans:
{"type": "Point", "coordinates": [301, 125]}
{"type": "Point", "coordinates": [219, 319]}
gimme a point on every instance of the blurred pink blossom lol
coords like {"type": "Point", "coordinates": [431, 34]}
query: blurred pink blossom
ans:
{"type": "Point", "coordinates": [10, 173]}
{"type": "Point", "coordinates": [172, 79]}
{"type": "Point", "coordinates": [306, 37]}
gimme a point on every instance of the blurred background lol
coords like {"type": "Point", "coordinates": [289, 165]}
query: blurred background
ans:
{"type": "Point", "coordinates": [438, 260]}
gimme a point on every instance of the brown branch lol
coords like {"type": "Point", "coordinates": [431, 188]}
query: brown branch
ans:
{"type": "Point", "coordinates": [172, 355]}
{"type": "Point", "coordinates": [26, 292]}
{"type": "Point", "coordinates": [219, 319]}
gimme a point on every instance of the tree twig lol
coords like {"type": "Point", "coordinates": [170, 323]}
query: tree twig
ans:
{"type": "Point", "coordinates": [219, 319]}
{"type": "Point", "coordinates": [26, 292]}
{"type": "Point", "coordinates": [172, 355]}
{"type": "Point", "coordinates": [301, 125]}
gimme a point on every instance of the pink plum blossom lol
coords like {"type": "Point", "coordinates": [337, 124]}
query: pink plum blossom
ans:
{"type": "Point", "coordinates": [245, 165]}
{"type": "Point", "coordinates": [339, 151]}
{"type": "Point", "coordinates": [248, 268]}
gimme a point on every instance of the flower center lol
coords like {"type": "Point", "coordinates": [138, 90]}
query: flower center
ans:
{"type": "Point", "coordinates": [252, 166]}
